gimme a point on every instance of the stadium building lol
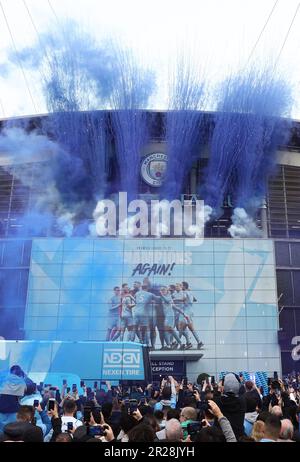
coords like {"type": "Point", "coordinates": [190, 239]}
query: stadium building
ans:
{"type": "Point", "coordinates": [246, 291]}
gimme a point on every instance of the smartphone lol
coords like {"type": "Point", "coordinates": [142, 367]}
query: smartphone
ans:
{"type": "Point", "coordinates": [213, 380]}
{"type": "Point", "coordinates": [64, 382]}
{"type": "Point", "coordinates": [95, 384]}
{"type": "Point", "coordinates": [68, 389]}
{"type": "Point", "coordinates": [194, 428]}
{"type": "Point", "coordinates": [133, 405]}
{"type": "Point", "coordinates": [41, 384]}
{"type": "Point", "coordinates": [143, 401]}
{"type": "Point", "coordinates": [74, 387]}
{"type": "Point", "coordinates": [275, 375]}
{"type": "Point", "coordinates": [127, 405]}
{"type": "Point", "coordinates": [82, 383]}
{"type": "Point", "coordinates": [87, 414]}
{"type": "Point", "coordinates": [96, 431]}
{"type": "Point", "coordinates": [36, 403]}
{"type": "Point", "coordinates": [70, 426]}
{"type": "Point", "coordinates": [96, 413]}
{"type": "Point", "coordinates": [51, 404]}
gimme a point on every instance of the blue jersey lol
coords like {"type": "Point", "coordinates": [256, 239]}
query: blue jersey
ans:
{"type": "Point", "coordinates": [127, 302]}
{"type": "Point", "coordinates": [189, 298]}
{"type": "Point", "coordinates": [179, 298]}
{"type": "Point", "coordinates": [142, 300]}
{"type": "Point", "coordinates": [114, 305]}
{"type": "Point", "coordinates": [167, 303]}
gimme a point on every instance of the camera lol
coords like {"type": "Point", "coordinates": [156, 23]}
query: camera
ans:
{"type": "Point", "coordinates": [203, 406]}
{"type": "Point", "coordinates": [193, 429]}
{"type": "Point", "coordinates": [96, 431]}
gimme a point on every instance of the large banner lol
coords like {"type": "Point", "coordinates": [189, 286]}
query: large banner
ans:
{"type": "Point", "coordinates": [47, 361]}
{"type": "Point", "coordinates": [218, 297]}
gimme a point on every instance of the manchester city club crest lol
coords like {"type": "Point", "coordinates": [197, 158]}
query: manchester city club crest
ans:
{"type": "Point", "coordinates": [153, 168]}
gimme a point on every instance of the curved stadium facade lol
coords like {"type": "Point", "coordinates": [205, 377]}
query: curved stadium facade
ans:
{"type": "Point", "coordinates": [279, 220]}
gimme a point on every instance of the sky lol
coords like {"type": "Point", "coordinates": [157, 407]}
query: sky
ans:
{"type": "Point", "coordinates": [219, 36]}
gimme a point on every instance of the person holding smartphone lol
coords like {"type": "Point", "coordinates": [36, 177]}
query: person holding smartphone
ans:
{"type": "Point", "coordinates": [274, 396]}
{"type": "Point", "coordinates": [26, 418]}
{"type": "Point", "coordinates": [168, 395]}
{"type": "Point", "coordinates": [55, 421]}
{"type": "Point", "coordinates": [12, 390]}
{"type": "Point", "coordinates": [41, 416]}
{"type": "Point", "coordinates": [69, 409]}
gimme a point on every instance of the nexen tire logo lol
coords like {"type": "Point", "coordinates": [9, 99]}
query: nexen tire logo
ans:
{"type": "Point", "coordinates": [121, 357]}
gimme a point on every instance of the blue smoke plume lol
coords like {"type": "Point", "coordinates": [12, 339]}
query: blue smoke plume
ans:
{"type": "Point", "coordinates": [247, 131]}
{"type": "Point", "coordinates": [184, 126]}
{"type": "Point", "coordinates": [130, 97]}
{"type": "Point", "coordinates": [38, 163]}
{"type": "Point", "coordinates": [79, 78]}
{"type": "Point", "coordinates": [264, 100]}
{"type": "Point", "coordinates": [76, 71]}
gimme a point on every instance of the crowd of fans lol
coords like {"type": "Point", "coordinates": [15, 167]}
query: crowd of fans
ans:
{"type": "Point", "coordinates": [167, 411]}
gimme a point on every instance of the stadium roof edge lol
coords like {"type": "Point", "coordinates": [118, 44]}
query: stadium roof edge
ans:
{"type": "Point", "coordinates": [158, 111]}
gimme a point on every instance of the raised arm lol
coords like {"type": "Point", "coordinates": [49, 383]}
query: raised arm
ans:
{"type": "Point", "coordinates": [223, 422]}
{"type": "Point", "coordinates": [156, 298]}
{"type": "Point", "coordinates": [179, 310]}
